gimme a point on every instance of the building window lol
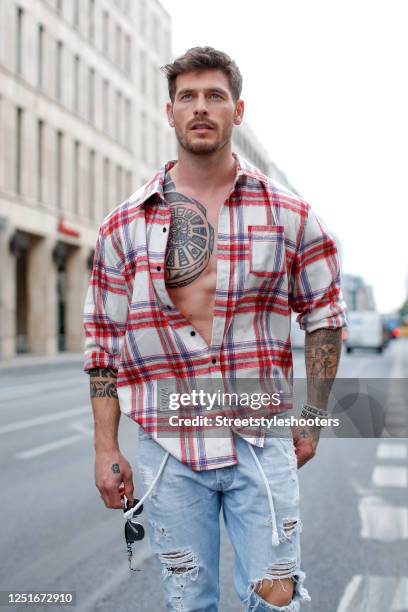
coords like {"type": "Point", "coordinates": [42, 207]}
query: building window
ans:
{"type": "Point", "coordinates": [76, 84]}
{"type": "Point", "coordinates": [143, 136]}
{"type": "Point", "coordinates": [40, 58]}
{"type": "Point", "coordinates": [128, 52]}
{"type": "Point", "coordinates": [129, 181]}
{"type": "Point", "coordinates": [105, 106]}
{"type": "Point", "coordinates": [106, 183]}
{"type": "Point", "coordinates": [19, 147]}
{"type": "Point", "coordinates": [40, 153]}
{"type": "Point", "coordinates": [91, 20]}
{"type": "Point", "coordinates": [156, 86]}
{"type": "Point", "coordinates": [58, 175]}
{"type": "Point", "coordinates": [19, 41]}
{"type": "Point", "coordinates": [75, 190]}
{"type": "Point", "coordinates": [105, 33]}
{"type": "Point", "coordinates": [143, 83]}
{"type": "Point", "coordinates": [119, 184]}
{"type": "Point", "coordinates": [76, 13]}
{"type": "Point", "coordinates": [58, 73]}
{"type": "Point", "coordinates": [92, 184]}
{"type": "Point", "coordinates": [118, 44]}
{"type": "Point", "coordinates": [59, 6]}
{"type": "Point", "coordinates": [155, 32]}
{"type": "Point", "coordinates": [128, 124]}
{"type": "Point", "coordinates": [118, 114]}
{"type": "Point", "coordinates": [142, 18]}
{"type": "Point", "coordinates": [91, 100]}
{"type": "Point", "coordinates": [157, 152]}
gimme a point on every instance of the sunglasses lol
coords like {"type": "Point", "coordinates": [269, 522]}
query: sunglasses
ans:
{"type": "Point", "coordinates": [134, 531]}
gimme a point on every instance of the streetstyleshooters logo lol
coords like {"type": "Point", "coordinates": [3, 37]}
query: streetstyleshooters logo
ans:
{"type": "Point", "coordinates": [208, 401]}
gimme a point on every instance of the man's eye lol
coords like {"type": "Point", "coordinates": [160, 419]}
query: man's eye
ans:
{"type": "Point", "coordinates": [216, 95]}
{"type": "Point", "coordinates": [184, 96]}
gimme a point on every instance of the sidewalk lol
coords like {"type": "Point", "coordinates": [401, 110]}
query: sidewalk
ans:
{"type": "Point", "coordinates": [31, 359]}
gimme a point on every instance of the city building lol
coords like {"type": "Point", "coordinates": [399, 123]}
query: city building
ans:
{"type": "Point", "coordinates": [357, 294]}
{"type": "Point", "coordinates": [82, 126]}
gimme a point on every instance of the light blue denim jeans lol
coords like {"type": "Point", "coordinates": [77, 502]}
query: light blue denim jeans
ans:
{"type": "Point", "coordinates": [183, 510]}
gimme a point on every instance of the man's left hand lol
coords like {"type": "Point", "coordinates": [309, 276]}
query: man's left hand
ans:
{"type": "Point", "coordinates": [305, 440]}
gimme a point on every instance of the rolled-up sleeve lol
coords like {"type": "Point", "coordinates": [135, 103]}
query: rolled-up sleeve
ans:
{"type": "Point", "coordinates": [106, 306]}
{"type": "Point", "coordinates": [315, 283]}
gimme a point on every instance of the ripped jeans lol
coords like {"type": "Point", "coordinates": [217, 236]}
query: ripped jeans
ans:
{"type": "Point", "coordinates": [183, 523]}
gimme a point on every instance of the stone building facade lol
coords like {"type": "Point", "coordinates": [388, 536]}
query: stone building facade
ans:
{"type": "Point", "coordinates": [82, 126]}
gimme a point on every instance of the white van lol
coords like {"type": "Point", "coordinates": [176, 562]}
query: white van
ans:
{"type": "Point", "coordinates": [365, 330]}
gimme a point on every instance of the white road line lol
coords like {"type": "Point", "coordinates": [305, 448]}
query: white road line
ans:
{"type": "Point", "coordinates": [85, 426]}
{"type": "Point", "coordinates": [63, 414]}
{"type": "Point", "coordinates": [111, 585]}
{"type": "Point", "coordinates": [24, 390]}
{"type": "Point", "coordinates": [45, 448]}
{"type": "Point", "coordinates": [375, 594]}
{"type": "Point", "coordinates": [386, 450]}
{"type": "Point", "coordinates": [385, 476]}
{"type": "Point", "coordinates": [381, 521]}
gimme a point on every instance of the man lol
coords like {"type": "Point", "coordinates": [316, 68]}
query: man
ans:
{"type": "Point", "coordinates": [195, 276]}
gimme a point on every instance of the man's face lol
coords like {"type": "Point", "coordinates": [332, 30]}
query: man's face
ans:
{"type": "Point", "coordinates": [203, 112]}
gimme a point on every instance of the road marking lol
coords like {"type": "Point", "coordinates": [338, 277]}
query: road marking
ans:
{"type": "Point", "coordinates": [384, 476]}
{"type": "Point", "coordinates": [83, 426]}
{"type": "Point", "coordinates": [381, 521]}
{"type": "Point", "coordinates": [23, 389]}
{"type": "Point", "coordinates": [44, 419]}
{"type": "Point", "coordinates": [111, 584]}
{"type": "Point", "coordinates": [45, 448]}
{"type": "Point", "coordinates": [374, 594]}
{"type": "Point", "coordinates": [391, 451]}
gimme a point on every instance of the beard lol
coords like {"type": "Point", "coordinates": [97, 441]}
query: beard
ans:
{"type": "Point", "coordinates": [203, 146]}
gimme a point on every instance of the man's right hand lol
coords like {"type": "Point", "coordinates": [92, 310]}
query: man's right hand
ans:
{"type": "Point", "coordinates": [111, 470]}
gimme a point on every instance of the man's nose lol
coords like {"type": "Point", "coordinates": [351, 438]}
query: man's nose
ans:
{"type": "Point", "coordinates": [200, 107]}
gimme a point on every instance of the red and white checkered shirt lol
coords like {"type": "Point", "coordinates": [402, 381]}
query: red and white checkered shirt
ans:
{"type": "Point", "coordinates": [273, 256]}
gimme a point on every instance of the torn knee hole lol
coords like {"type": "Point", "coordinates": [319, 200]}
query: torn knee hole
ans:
{"type": "Point", "coordinates": [277, 591]}
{"type": "Point", "coordinates": [289, 526]}
{"type": "Point", "coordinates": [179, 562]}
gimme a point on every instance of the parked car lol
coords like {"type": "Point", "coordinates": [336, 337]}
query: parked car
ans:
{"type": "Point", "coordinates": [365, 330]}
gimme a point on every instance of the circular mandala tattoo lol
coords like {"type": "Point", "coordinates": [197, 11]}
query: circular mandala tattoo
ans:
{"type": "Point", "coordinates": [190, 242]}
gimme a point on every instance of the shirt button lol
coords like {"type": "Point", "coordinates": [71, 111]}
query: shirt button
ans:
{"type": "Point", "coordinates": [192, 333]}
{"type": "Point", "coordinates": [164, 230]}
{"type": "Point", "coordinates": [168, 306]}
{"type": "Point", "coordinates": [158, 268]}
{"type": "Point", "coordinates": [214, 360]}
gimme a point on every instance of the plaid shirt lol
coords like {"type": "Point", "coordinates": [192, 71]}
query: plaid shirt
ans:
{"type": "Point", "coordinates": [273, 256]}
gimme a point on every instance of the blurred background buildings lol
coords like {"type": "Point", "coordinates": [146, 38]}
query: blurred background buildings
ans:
{"type": "Point", "coordinates": [82, 126]}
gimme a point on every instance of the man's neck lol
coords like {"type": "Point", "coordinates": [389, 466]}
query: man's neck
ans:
{"type": "Point", "coordinates": [206, 173]}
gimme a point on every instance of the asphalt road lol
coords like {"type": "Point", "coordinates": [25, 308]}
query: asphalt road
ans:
{"type": "Point", "coordinates": [57, 534]}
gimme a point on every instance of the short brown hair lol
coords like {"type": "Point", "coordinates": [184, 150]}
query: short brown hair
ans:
{"type": "Point", "coordinates": [204, 58]}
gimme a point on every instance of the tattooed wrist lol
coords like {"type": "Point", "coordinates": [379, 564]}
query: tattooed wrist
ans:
{"type": "Point", "coordinates": [115, 468]}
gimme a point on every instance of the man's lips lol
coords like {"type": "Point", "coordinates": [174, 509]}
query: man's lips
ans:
{"type": "Point", "coordinates": [201, 127]}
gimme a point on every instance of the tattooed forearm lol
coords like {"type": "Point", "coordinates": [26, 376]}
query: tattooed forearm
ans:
{"type": "Point", "coordinates": [322, 355]}
{"type": "Point", "coordinates": [101, 388]}
{"type": "Point", "coordinates": [103, 382]}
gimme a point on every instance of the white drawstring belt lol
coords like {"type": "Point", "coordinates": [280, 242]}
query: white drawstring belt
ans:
{"type": "Point", "coordinates": [130, 512]}
{"type": "Point", "coordinates": [275, 534]}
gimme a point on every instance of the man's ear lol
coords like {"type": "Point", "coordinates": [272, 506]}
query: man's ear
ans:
{"type": "Point", "coordinates": [239, 112]}
{"type": "Point", "coordinates": [169, 111]}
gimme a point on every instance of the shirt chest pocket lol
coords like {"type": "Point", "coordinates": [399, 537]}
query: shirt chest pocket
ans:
{"type": "Point", "coordinates": [266, 250]}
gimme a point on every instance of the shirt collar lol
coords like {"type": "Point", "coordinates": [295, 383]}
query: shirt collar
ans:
{"type": "Point", "coordinates": [155, 185]}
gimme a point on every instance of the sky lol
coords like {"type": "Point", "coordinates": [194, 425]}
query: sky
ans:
{"type": "Point", "coordinates": [326, 92]}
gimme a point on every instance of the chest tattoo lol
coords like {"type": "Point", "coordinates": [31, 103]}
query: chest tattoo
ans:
{"type": "Point", "coordinates": [191, 240]}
